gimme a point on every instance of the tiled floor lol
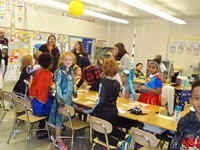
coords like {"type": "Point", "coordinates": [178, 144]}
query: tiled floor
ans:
{"type": "Point", "coordinates": [20, 142]}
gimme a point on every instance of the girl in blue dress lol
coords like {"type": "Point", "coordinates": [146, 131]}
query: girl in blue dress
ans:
{"type": "Point", "coordinates": [64, 84]}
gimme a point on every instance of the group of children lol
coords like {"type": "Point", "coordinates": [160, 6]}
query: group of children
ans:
{"type": "Point", "coordinates": [68, 78]}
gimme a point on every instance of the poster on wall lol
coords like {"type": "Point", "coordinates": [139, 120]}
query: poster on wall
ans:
{"type": "Point", "coordinates": [196, 50]}
{"type": "Point", "coordinates": [87, 44]}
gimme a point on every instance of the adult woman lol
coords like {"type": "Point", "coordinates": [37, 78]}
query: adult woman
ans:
{"type": "Point", "coordinates": [121, 55]}
{"type": "Point", "coordinates": [78, 51]}
{"type": "Point", "coordinates": [51, 48]}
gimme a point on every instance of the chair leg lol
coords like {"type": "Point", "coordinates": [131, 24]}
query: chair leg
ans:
{"type": "Point", "coordinates": [4, 113]}
{"type": "Point", "coordinates": [14, 134]}
{"type": "Point", "coordinates": [48, 130]}
{"type": "Point", "coordinates": [16, 122]}
{"type": "Point", "coordinates": [93, 145]}
{"type": "Point", "coordinates": [72, 142]}
{"type": "Point", "coordinates": [28, 137]}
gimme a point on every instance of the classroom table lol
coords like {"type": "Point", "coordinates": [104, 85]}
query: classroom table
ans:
{"type": "Point", "coordinates": [88, 99]}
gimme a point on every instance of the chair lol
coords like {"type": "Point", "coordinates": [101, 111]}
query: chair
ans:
{"type": "Point", "coordinates": [6, 96]}
{"type": "Point", "coordinates": [187, 106]}
{"type": "Point", "coordinates": [73, 123]}
{"type": "Point", "coordinates": [146, 139]}
{"type": "Point", "coordinates": [100, 126]}
{"type": "Point", "coordinates": [27, 117]}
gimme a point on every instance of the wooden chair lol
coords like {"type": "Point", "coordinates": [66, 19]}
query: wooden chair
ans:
{"type": "Point", "coordinates": [28, 117]}
{"type": "Point", "coordinates": [187, 106]}
{"type": "Point", "coordinates": [100, 126]}
{"type": "Point", "coordinates": [146, 139]}
{"type": "Point", "coordinates": [73, 123]}
{"type": "Point", "coordinates": [6, 96]}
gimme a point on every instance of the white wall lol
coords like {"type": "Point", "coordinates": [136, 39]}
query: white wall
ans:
{"type": "Point", "coordinates": [151, 37]}
{"type": "Point", "coordinates": [50, 20]}
{"type": "Point", "coordinates": [187, 33]}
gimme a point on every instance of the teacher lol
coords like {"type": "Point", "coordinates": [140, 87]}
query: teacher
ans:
{"type": "Point", "coordinates": [51, 48]}
{"type": "Point", "coordinates": [122, 56]}
{"type": "Point", "coordinates": [79, 51]}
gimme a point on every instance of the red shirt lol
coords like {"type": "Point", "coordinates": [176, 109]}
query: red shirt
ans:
{"type": "Point", "coordinates": [40, 85]}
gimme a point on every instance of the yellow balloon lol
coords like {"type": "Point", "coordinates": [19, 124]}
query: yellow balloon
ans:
{"type": "Point", "coordinates": [76, 8]}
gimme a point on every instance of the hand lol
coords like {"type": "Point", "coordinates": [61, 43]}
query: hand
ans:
{"type": "Point", "coordinates": [142, 87]}
{"type": "Point", "coordinates": [88, 87]}
{"type": "Point", "coordinates": [3, 55]}
{"type": "Point", "coordinates": [88, 118]}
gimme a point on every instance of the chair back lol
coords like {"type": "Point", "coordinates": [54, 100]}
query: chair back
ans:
{"type": "Point", "coordinates": [187, 106]}
{"type": "Point", "coordinates": [163, 101]}
{"type": "Point", "coordinates": [6, 96]}
{"type": "Point", "coordinates": [163, 111]}
{"type": "Point", "coordinates": [100, 125]}
{"type": "Point", "coordinates": [144, 138]}
{"type": "Point", "coordinates": [22, 105]}
{"type": "Point", "coordinates": [68, 111]}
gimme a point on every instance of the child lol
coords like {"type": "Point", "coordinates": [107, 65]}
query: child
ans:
{"type": "Point", "coordinates": [128, 90]}
{"type": "Point", "coordinates": [39, 91]}
{"type": "Point", "coordinates": [106, 108]}
{"type": "Point", "coordinates": [77, 75]}
{"type": "Point", "coordinates": [36, 66]}
{"type": "Point", "coordinates": [90, 73]}
{"type": "Point", "coordinates": [64, 83]}
{"type": "Point", "coordinates": [21, 88]}
{"type": "Point", "coordinates": [137, 71]}
{"type": "Point", "coordinates": [188, 130]}
{"type": "Point", "coordinates": [151, 92]}
{"type": "Point", "coordinates": [100, 62]}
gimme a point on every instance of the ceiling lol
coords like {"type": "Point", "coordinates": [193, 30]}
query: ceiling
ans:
{"type": "Point", "coordinates": [178, 8]}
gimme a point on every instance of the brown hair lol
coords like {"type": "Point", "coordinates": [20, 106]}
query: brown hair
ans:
{"type": "Point", "coordinates": [99, 59]}
{"type": "Point", "coordinates": [82, 50]}
{"type": "Point", "coordinates": [121, 52]}
{"type": "Point", "coordinates": [63, 55]}
{"type": "Point", "coordinates": [26, 61]}
{"type": "Point", "coordinates": [110, 67]}
{"type": "Point", "coordinates": [47, 43]}
{"type": "Point", "coordinates": [159, 57]}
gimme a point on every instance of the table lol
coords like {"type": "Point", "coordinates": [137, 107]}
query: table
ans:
{"type": "Point", "coordinates": [88, 99]}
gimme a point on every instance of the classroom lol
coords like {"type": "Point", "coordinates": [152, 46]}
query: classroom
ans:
{"type": "Point", "coordinates": [72, 69]}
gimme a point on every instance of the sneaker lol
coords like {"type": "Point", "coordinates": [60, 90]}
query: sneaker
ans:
{"type": "Point", "coordinates": [130, 142]}
{"type": "Point", "coordinates": [124, 146]}
{"type": "Point", "coordinates": [61, 145]}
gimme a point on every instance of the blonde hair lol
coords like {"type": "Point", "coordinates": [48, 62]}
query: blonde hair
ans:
{"type": "Point", "coordinates": [110, 67]}
{"type": "Point", "coordinates": [26, 61]}
{"type": "Point", "coordinates": [75, 68]}
{"type": "Point", "coordinates": [63, 55]}
{"type": "Point", "coordinates": [36, 55]}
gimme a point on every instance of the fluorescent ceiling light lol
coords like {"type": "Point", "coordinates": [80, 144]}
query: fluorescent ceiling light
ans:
{"type": "Point", "coordinates": [62, 6]}
{"type": "Point", "coordinates": [152, 10]}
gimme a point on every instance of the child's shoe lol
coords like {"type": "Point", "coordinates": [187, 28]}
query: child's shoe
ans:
{"type": "Point", "coordinates": [124, 146]}
{"type": "Point", "coordinates": [61, 145]}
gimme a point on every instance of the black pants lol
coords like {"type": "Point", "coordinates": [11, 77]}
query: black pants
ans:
{"type": "Point", "coordinates": [110, 114]}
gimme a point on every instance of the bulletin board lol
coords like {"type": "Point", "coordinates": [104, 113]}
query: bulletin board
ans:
{"type": "Point", "coordinates": [185, 47]}
{"type": "Point", "coordinates": [184, 52]}
{"type": "Point", "coordinates": [102, 52]}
